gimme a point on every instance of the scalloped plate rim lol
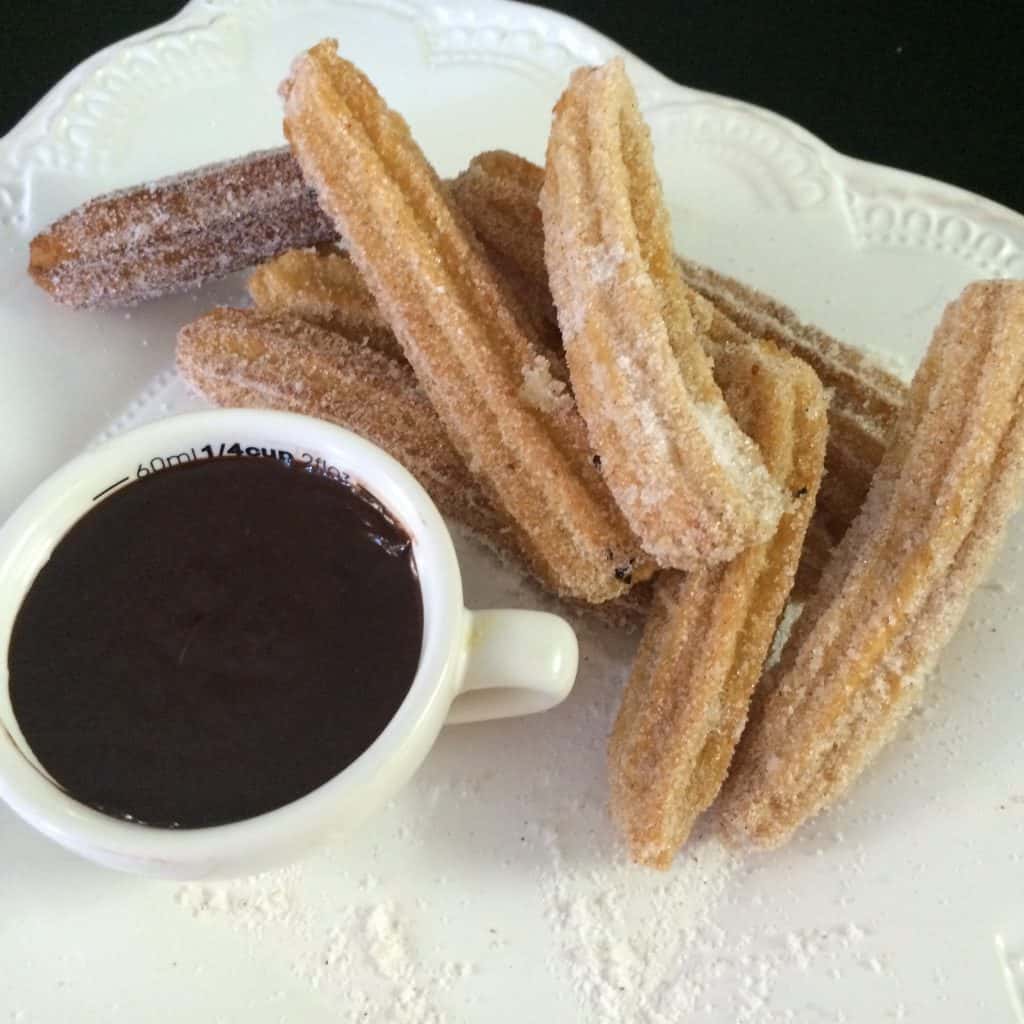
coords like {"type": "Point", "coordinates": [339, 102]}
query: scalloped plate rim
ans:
{"type": "Point", "coordinates": [838, 164]}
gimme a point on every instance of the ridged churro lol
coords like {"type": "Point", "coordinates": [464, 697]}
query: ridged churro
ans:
{"type": "Point", "coordinates": [241, 357]}
{"type": "Point", "coordinates": [691, 484]}
{"type": "Point", "coordinates": [494, 389]}
{"type": "Point", "coordinates": [899, 583]}
{"type": "Point", "coordinates": [710, 630]}
{"type": "Point", "coordinates": [865, 401]}
{"type": "Point", "coordinates": [323, 287]}
{"type": "Point", "coordinates": [178, 232]}
{"type": "Point", "coordinates": [499, 192]}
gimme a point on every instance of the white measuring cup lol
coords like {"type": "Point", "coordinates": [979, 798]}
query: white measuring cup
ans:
{"type": "Point", "coordinates": [473, 665]}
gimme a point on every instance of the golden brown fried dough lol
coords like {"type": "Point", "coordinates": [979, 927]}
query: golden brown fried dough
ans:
{"type": "Point", "coordinates": [691, 483]}
{"type": "Point", "coordinates": [490, 382]}
{"type": "Point", "coordinates": [710, 631]}
{"type": "Point", "coordinates": [899, 583]}
{"type": "Point", "coordinates": [323, 286]}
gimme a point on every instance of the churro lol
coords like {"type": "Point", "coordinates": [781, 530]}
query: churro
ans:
{"type": "Point", "coordinates": [242, 357]}
{"type": "Point", "coordinates": [710, 630]}
{"type": "Point", "coordinates": [499, 193]}
{"type": "Point", "coordinates": [865, 398]}
{"type": "Point", "coordinates": [178, 232]}
{"type": "Point", "coordinates": [323, 286]}
{"type": "Point", "coordinates": [504, 409]}
{"type": "Point", "coordinates": [691, 484]}
{"type": "Point", "coordinates": [899, 583]}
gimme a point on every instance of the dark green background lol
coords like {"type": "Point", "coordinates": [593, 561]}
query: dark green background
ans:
{"type": "Point", "coordinates": [931, 87]}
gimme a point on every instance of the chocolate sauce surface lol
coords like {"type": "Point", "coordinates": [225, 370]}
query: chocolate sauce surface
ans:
{"type": "Point", "coordinates": [216, 640]}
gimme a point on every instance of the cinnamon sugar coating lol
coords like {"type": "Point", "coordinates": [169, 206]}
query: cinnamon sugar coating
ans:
{"type": "Point", "coordinates": [709, 632]}
{"type": "Point", "coordinates": [691, 483]}
{"type": "Point", "coordinates": [178, 232]}
{"type": "Point", "coordinates": [898, 585]}
{"type": "Point", "coordinates": [242, 357]}
{"type": "Point", "coordinates": [489, 380]}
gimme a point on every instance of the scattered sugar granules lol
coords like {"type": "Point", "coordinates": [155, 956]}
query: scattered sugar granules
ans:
{"type": "Point", "coordinates": [364, 960]}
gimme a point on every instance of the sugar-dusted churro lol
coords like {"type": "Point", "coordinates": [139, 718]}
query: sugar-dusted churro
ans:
{"type": "Point", "coordinates": [242, 357]}
{"type": "Point", "coordinates": [710, 630]}
{"type": "Point", "coordinates": [899, 583]}
{"type": "Point", "coordinates": [865, 402]}
{"type": "Point", "coordinates": [690, 482]}
{"type": "Point", "coordinates": [178, 232]}
{"type": "Point", "coordinates": [499, 192]}
{"type": "Point", "coordinates": [504, 409]}
{"type": "Point", "coordinates": [298, 284]}
{"type": "Point", "coordinates": [323, 286]}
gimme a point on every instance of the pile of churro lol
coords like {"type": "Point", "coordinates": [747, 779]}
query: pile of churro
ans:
{"type": "Point", "coordinates": [646, 437]}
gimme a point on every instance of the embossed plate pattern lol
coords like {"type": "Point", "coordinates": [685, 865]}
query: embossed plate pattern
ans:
{"type": "Point", "coordinates": [492, 889]}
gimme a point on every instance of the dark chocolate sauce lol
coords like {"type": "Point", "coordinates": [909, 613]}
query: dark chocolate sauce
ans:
{"type": "Point", "coordinates": [214, 641]}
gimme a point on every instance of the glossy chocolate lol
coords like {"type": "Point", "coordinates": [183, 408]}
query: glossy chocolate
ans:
{"type": "Point", "coordinates": [216, 640]}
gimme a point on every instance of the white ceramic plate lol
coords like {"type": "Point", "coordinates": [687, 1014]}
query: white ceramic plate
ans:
{"type": "Point", "coordinates": [493, 889]}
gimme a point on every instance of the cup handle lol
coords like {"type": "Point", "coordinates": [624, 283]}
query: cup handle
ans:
{"type": "Point", "coordinates": [516, 663]}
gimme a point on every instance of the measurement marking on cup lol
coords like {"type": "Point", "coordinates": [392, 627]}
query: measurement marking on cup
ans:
{"type": "Point", "coordinates": [254, 450]}
{"type": "Point", "coordinates": [116, 483]}
{"type": "Point", "coordinates": [159, 462]}
{"type": "Point", "coordinates": [310, 463]}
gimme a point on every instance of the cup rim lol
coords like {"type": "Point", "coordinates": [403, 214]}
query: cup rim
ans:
{"type": "Point", "coordinates": [41, 802]}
